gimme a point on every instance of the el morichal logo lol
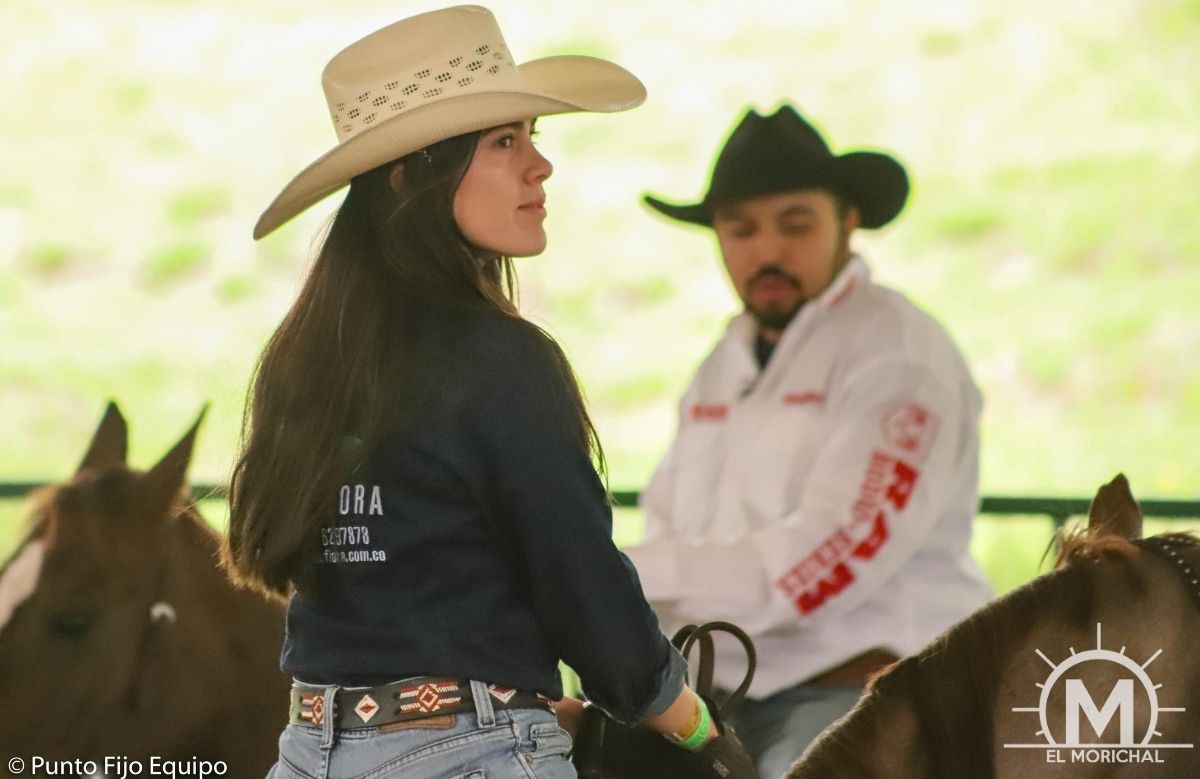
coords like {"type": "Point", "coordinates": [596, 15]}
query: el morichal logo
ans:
{"type": "Point", "coordinates": [1126, 687]}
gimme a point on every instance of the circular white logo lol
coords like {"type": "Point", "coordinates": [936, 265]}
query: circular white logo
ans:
{"type": "Point", "coordinates": [1098, 706]}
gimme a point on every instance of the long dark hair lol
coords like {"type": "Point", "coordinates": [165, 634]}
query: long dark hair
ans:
{"type": "Point", "coordinates": [344, 367]}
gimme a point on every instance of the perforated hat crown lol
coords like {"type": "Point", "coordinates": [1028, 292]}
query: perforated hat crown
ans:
{"type": "Point", "coordinates": [431, 77]}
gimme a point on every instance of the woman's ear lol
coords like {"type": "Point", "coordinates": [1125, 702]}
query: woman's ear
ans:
{"type": "Point", "coordinates": [396, 177]}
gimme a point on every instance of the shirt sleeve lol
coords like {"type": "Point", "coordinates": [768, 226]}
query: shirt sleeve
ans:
{"type": "Point", "coordinates": [545, 492]}
{"type": "Point", "coordinates": [895, 456]}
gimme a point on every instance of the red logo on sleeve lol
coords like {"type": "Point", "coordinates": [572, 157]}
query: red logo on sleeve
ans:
{"type": "Point", "coordinates": [903, 482]}
{"type": "Point", "coordinates": [910, 427]}
{"type": "Point", "coordinates": [886, 489]}
{"type": "Point", "coordinates": [838, 579]}
{"type": "Point", "coordinates": [714, 412]}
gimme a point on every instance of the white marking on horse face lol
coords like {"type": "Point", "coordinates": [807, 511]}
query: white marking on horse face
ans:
{"type": "Point", "coordinates": [162, 612]}
{"type": "Point", "coordinates": [20, 579]}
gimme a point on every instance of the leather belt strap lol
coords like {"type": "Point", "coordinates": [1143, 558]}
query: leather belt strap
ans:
{"type": "Point", "coordinates": [408, 699]}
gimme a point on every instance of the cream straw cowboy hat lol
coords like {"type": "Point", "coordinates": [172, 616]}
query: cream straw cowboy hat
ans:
{"type": "Point", "coordinates": [431, 77]}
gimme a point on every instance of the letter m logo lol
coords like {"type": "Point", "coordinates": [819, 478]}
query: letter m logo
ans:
{"type": "Point", "coordinates": [1078, 699]}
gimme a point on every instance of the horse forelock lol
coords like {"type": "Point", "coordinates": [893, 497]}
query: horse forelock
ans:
{"type": "Point", "coordinates": [108, 491]}
{"type": "Point", "coordinates": [1094, 566]}
{"type": "Point", "coordinates": [106, 512]}
{"type": "Point", "coordinates": [1086, 543]}
{"type": "Point", "coordinates": [1112, 561]}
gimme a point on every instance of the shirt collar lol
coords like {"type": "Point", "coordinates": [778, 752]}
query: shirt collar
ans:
{"type": "Point", "coordinates": [744, 328]}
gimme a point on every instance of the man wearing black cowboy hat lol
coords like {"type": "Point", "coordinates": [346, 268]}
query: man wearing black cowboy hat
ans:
{"type": "Point", "coordinates": [821, 487]}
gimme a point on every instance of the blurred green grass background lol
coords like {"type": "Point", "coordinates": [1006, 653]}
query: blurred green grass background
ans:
{"type": "Point", "coordinates": [1054, 150]}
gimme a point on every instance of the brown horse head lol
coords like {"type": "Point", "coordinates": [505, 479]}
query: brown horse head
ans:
{"type": "Point", "coordinates": [119, 633]}
{"type": "Point", "coordinates": [971, 703]}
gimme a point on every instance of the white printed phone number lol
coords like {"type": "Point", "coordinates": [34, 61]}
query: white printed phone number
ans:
{"type": "Point", "coordinates": [333, 539]}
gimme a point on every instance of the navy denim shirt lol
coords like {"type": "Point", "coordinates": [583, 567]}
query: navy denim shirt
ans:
{"type": "Point", "coordinates": [476, 543]}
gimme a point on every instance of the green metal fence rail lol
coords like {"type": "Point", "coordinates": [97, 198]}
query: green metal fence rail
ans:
{"type": "Point", "coordinates": [1058, 509]}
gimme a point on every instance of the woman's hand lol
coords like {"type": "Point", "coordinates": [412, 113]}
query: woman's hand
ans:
{"type": "Point", "coordinates": [568, 711]}
{"type": "Point", "coordinates": [682, 718]}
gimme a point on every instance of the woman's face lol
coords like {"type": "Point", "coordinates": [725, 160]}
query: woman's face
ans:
{"type": "Point", "coordinates": [500, 204]}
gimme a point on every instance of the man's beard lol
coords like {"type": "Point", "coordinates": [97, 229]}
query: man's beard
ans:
{"type": "Point", "coordinates": [772, 318]}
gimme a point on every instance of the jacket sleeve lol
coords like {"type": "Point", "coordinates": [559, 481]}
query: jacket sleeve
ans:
{"type": "Point", "coordinates": [655, 557]}
{"type": "Point", "coordinates": [899, 447]}
{"type": "Point", "coordinates": [547, 499]}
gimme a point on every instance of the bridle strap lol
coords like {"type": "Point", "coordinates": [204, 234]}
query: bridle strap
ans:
{"type": "Point", "coordinates": [1175, 549]}
{"type": "Point", "coordinates": [690, 635]}
{"type": "Point", "coordinates": [684, 640]}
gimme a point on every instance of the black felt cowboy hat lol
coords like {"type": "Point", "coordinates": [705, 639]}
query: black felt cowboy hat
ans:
{"type": "Point", "coordinates": [782, 152]}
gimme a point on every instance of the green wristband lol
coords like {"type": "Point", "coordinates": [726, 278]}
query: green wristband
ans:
{"type": "Point", "coordinates": [693, 742]}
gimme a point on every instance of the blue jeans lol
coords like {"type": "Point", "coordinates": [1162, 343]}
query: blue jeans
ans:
{"type": "Point", "coordinates": [484, 744]}
{"type": "Point", "coordinates": [776, 730]}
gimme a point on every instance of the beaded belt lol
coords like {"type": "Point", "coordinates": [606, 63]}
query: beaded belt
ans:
{"type": "Point", "coordinates": [408, 699]}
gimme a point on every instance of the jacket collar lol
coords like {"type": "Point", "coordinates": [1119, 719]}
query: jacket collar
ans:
{"type": "Point", "coordinates": [743, 328]}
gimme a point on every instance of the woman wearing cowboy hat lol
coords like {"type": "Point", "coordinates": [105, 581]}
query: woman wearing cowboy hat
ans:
{"type": "Point", "coordinates": [415, 472]}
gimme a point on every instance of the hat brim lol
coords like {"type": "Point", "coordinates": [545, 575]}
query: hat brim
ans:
{"type": "Point", "coordinates": [692, 213]}
{"type": "Point", "coordinates": [554, 85]}
{"type": "Point", "coordinates": [874, 183]}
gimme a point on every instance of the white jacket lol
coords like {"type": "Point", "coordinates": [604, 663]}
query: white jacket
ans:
{"type": "Point", "coordinates": [824, 504]}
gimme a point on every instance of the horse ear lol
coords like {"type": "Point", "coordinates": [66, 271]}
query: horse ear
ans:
{"type": "Point", "coordinates": [109, 443]}
{"type": "Point", "coordinates": [164, 481]}
{"type": "Point", "coordinates": [1114, 511]}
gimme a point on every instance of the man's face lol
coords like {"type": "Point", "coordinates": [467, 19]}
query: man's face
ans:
{"type": "Point", "coordinates": [783, 250]}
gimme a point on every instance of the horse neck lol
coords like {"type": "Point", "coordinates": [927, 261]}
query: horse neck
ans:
{"type": "Point", "coordinates": [931, 713]}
